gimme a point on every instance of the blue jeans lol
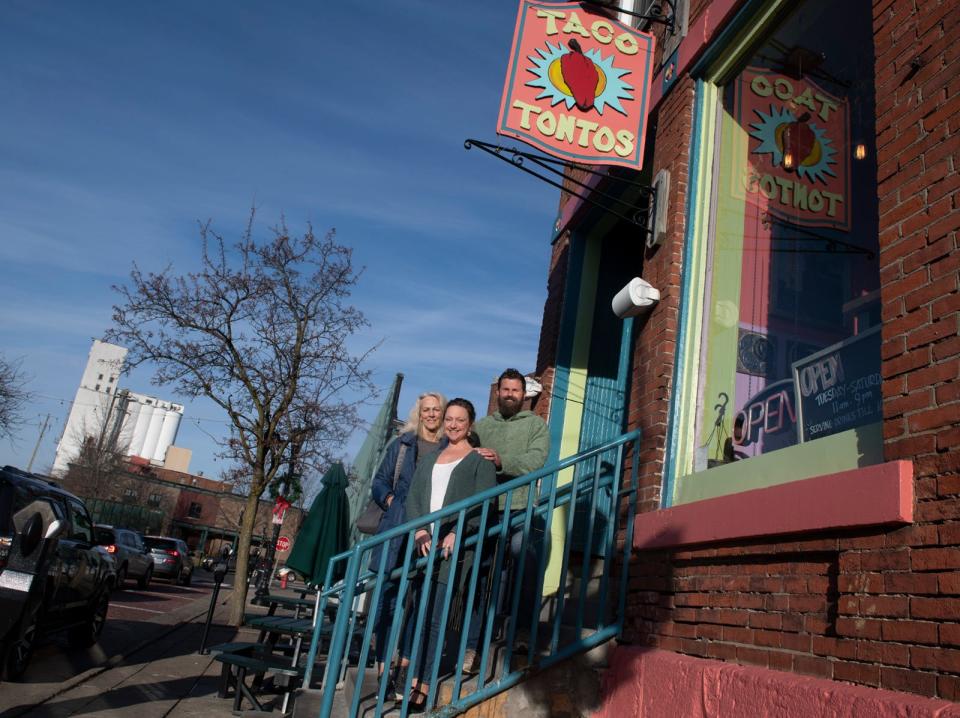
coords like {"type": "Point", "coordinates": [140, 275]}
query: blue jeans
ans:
{"type": "Point", "coordinates": [384, 619]}
{"type": "Point", "coordinates": [435, 633]}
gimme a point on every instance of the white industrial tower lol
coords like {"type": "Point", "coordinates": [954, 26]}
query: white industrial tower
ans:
{"type": "Point", "coordinates": [142, 425]}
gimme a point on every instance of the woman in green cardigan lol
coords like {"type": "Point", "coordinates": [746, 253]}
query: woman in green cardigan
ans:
{"type": "Point", "coordinates": [441, 479]}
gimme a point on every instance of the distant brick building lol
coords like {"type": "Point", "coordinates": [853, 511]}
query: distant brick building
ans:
{"type": "Point", "coordinates": [798, 384]}
{"type": "Point", "coordinates": [203, 512]}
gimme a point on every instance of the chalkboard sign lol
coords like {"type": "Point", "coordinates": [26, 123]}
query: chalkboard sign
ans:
{"type": "Point", "coordinates": [838, 388]}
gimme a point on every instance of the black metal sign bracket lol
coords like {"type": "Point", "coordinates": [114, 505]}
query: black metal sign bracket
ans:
{"type": "Point", "coordinates": [654, 14]}
{"type": "Point", "coordinates": [612, 203]}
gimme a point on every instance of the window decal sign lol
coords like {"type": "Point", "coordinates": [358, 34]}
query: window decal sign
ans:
{"type": "Point", "coordinates": [839, 387]}
{"type": "Point", "coordinates": [578, 85]}
{"type": "Point", "coordinates": [798, 139]}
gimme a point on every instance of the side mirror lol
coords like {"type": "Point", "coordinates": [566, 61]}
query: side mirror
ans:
{"type": "Point", "coordinates": [30, 534]}
{"type": "Point", "coordinates": [54, 530]}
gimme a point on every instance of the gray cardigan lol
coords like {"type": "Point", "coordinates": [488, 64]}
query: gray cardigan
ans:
{"type": "Point", "coordinates": [471, 476]}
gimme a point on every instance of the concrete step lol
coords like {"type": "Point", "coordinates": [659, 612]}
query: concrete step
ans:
{"type": "Point", "coordinates": [307, 701]}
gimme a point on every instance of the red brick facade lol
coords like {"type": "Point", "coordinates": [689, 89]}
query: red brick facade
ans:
{"type": "Point", "coordinates": [878, 607]}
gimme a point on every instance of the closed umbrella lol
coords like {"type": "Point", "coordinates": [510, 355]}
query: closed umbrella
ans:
{"type": "Point", "coordinates": [365, 463]}
{"type": "Point", "coordinates": [326, 530]}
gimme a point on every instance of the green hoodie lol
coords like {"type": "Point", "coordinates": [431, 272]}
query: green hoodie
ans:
{"type": "Point", "coordinates": [522, 441]}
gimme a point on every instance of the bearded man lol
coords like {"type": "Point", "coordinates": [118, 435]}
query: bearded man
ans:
{"type": "Point", "coordinates": [517, 442]}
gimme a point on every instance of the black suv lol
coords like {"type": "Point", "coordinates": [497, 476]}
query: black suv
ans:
{"type": "Point", "coordinates": [52, 575]}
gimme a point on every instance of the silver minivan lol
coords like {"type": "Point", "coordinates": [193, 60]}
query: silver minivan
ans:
{"type": "Point", "coordinates": [129, 552]}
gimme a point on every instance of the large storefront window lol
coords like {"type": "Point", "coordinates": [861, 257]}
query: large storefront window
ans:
{"type": "Point", "coordinates": [790, 343]}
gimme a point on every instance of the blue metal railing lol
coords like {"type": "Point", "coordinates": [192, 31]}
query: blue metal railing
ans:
{"type": "Point", "coordinates": [345, 641]}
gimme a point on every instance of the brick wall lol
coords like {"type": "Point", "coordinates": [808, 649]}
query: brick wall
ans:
{"type": "Point", "coordinates": [876, 607]}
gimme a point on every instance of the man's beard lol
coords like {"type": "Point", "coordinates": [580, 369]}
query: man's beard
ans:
{"type": "Point", "coordinates": [508, 407]}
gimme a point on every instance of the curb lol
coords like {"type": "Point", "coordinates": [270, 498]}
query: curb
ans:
{"type": "Point", "coordinates": [118, 658]}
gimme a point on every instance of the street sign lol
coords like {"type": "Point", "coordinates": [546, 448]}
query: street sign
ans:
{"type": "Point", "coordinates": [283, 543]}
{"type": "Point", "coordinates": [578, 84]}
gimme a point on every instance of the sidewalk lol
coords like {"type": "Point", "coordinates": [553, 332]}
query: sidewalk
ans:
{"type": "Point", "coordinates": [160, 675]}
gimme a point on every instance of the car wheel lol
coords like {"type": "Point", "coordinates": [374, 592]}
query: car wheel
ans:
{"type": "Point", "coordinates": [20, 649]}
{"type": "Point", "coordinates": [144, 580]}
{"type": "Point", "coordinates": [121, 577]}
{"type": "Point", "coordinates": [86, 634]}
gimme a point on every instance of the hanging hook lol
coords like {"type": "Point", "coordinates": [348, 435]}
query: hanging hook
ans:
{"type": "Point", "coordinates": [721, 408]}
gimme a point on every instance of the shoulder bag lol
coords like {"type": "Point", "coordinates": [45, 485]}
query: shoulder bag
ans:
{"type": "Point", "coordinates": [369, 521]}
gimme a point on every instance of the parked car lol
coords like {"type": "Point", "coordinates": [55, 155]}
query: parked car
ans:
{"type": "Point", "coordinates": [130, 553]}
{"type": "Point", "coordinates": [171, 559]}
{"type": "Point", "coordinates": [52, 575]}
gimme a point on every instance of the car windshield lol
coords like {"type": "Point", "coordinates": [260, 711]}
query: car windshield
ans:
{"type": "Point", "coordinates": [161, 544]}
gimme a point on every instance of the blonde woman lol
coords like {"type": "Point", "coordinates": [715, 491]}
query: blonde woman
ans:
{"type": "Point", "coordinates": [419, 437]}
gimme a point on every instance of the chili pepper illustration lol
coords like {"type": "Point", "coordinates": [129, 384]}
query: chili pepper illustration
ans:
{"type": "Point", "coordinates": [580, 74]}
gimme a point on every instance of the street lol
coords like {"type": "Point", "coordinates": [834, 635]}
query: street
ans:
{"type": "Point", "coordinates": [144, 629]}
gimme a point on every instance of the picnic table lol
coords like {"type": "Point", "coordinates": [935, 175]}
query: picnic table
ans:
{"type": "Point", "coordinates": [242, 659]}
{"type": "Point", "coordinates": [268, 654]}
{"type": "Point", "coordinates": [299, 606]}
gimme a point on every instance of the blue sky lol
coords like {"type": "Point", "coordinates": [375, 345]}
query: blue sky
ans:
{"type": "Point", "coordinates": [123, 124]}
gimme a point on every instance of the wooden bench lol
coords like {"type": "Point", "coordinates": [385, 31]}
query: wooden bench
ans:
{"type": "Point", "coordinates": [257, 664]}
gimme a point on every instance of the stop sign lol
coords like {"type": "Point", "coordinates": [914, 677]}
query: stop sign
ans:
{"type": "Point", "coordinates": [283, 543]}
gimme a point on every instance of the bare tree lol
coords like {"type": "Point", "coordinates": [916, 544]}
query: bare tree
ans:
{"type": "Point", "coordinates": [261, 329]}
{"type": "Point", "coordinates": [13, 396]}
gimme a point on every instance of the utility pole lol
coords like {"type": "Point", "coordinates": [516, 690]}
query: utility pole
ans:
{"type": "Point", "coordinates": [43, 430]}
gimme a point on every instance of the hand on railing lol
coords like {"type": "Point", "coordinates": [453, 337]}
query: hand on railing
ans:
{"type": "Point", "coordinates": [446, 546]}
{"type": "Point", "coordinates": [423, 542]}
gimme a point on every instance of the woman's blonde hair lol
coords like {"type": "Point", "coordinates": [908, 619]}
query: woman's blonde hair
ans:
{"type": "Point", "coordinates": [413, 420]}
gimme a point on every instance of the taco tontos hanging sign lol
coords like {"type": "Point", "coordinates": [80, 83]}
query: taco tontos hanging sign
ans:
{"type": "Point", "coordinates": [798, 137]}
{"type": "Point", "coordinates": [578, 85]}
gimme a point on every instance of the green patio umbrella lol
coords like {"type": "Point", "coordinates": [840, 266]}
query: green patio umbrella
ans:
{"type": "Point", "coordinates": [326, 530]}
{"type": "Point", "coordinates": [367, 460]}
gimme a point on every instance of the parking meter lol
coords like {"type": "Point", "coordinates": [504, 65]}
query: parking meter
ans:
{"type": "Point", "coordinates": [219, 572]}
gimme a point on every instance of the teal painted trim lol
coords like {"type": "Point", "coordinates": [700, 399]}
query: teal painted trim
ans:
{"type": "Point", "coordinates": [743, 19]}
{"type": "Point", "coordinates": [568, 330]}
{"type": "Point", "coordinates": [623, 366]}
{"type": "Point", "coordinates": [673, 435]}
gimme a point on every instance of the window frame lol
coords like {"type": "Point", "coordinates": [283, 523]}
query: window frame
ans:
{"type": "Point", "coordinates": [718, 66]}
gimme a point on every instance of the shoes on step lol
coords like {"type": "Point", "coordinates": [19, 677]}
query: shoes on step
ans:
{"type": "Point", "coordinates": [521, 641]}
{"type": "Point", "coordinates": [417, 702]}
{"type": "Point", "coordinates": [397, 683]}
{"type": "Point", "coordinates": [471, 662]}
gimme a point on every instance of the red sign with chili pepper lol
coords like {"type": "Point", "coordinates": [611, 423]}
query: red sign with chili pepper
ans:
{"type": "Point", "coordinates": [578, 84]}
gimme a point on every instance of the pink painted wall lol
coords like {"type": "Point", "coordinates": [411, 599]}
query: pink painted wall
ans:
{"type": "Point", "coordinates": [651, 683]}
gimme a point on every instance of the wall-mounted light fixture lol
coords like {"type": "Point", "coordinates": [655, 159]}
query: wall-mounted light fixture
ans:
{"type": "Point", "coordinates": [638, 297]}
{"type": "Point", "coordinates": [657, 216]}
{"type": "Point", "coordinates": [860, 151]}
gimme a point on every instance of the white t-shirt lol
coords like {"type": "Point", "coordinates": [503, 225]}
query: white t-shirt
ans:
{"type": "Point", "coordinates": [439, 481]}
